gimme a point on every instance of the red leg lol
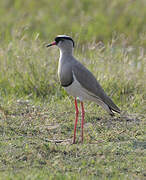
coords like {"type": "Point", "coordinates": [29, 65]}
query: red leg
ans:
{"type": "Point", "coordinates": [82, 122]}
{"type": "Point", "coordinates": [77, 113]}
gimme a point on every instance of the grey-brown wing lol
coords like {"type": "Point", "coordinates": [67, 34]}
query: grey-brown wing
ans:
{"type": "Point", "coordinates": [89, 82]}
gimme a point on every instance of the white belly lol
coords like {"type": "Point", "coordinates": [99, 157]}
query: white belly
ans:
{"type": "Point", "coordinates": [76, 90]}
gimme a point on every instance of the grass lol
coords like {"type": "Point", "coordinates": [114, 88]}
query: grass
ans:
{"type": "Point", "coordinates": [37, 115]}
{"type": "Point", "coordinates": [89, 21]}
{"type": "Point", "coordinates": [113, 148]}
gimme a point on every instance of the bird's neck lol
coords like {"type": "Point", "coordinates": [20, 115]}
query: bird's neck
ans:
{"type": "Point", "coordinates": [66, 52]}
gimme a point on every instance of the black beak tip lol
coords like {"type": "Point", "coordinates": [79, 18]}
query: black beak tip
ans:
{"type": "Point", "coordinates": [48, 45]}
{"type": "Point", "coordinates": [52, 44]}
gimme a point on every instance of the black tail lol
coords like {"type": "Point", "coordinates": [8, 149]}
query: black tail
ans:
{"type": "Point", "coordinates": [117, 111]}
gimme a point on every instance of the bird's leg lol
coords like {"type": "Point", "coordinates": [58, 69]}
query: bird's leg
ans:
{"type": "Point", "coordinates": [77, 113]}
{"type": "Point", "coordinates": [82, 122]}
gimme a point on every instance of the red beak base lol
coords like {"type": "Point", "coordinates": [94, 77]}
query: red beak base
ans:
{"type": "Point", "coordinates": [52, 44]}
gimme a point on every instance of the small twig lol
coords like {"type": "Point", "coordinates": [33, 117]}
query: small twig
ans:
{"type": "Point", "coordinates": [57, 140]}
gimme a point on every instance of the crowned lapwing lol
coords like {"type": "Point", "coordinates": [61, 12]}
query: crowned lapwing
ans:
{"type": "Point", "coordinates": [78, 81]}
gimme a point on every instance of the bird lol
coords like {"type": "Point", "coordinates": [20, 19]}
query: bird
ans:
{"type": "Point", "coordinates": [79, 82]}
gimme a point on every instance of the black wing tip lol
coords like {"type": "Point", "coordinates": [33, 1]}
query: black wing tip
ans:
{"type": "Point", "coordinates": [117, 110]}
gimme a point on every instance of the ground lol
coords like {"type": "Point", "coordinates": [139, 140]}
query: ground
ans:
{"type": "Point", "coordinates": [36, 143]}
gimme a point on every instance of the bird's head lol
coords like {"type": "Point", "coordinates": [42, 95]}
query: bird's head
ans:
{"type": "Point", "coordinates": [65, 43]}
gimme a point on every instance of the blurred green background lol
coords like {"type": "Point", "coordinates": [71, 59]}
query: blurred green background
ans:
{"type": "Point", "coordinates": [86, 20]}
{"type": "Point", "coordinates": [26, 66]}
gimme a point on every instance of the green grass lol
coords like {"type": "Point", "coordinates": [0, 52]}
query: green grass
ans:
{"type": "Point", "coordinates": [88, 21]}
{"type": "Point", "coordinates": [36, 114]}
{"type": "Point", "coordinates": [113, 147]}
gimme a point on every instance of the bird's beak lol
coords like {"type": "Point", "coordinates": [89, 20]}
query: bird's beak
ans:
{"type": "Point", "coordinates": [52, 44]}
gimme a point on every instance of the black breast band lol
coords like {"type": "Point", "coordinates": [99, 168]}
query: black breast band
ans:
{"type": "Point", "coordinates": [66, 85]}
